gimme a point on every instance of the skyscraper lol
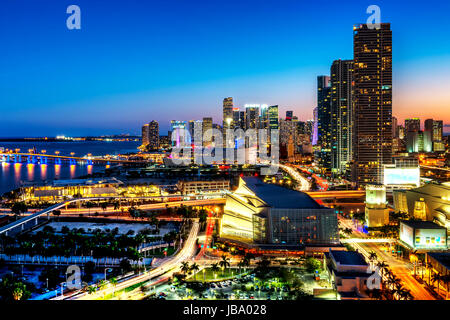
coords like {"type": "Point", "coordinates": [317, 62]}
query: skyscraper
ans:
{"type": "Point", "coordinates": [236, 121]}
{"type": "Point", "coordinates": [289, 115]}
{"type": "Point", "coordinates": [434, 128]}
{"type": "Point", "coordinates": [252, 116]}
{"type": "Point", "coordinates": [372, 98]}
{"type": "Point", "coordinates": [207, 125]}
{"type": "Point", "coordinates": [414, 137]}
{"type": "Point", "coordinates": [412, 125]}
{"type": "Point", "coordinates": [273, 117]}
{"type": "Point", "coordinates": [263, 118]}
{"type": "Point", "coordinates": [153, 135]}
{"type": "Point", "coordinates": [227, 113]}
{"type": "Point", "coordinates": [180, 133]}
{"type": "Point", "coordinates": [145, 129]}
{"type": "Point", "coordinates": [341, 115]}
{"type": "Point", "coordinates": [323, 154]}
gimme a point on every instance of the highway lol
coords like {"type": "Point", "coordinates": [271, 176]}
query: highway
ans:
{"type": "Point", "coordinates": [304, 184]}
{"type": "Point", "coordinates": [163, 270]}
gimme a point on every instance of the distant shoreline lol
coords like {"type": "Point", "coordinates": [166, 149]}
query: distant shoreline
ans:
{"type": "Point", "coordinates": [86, 139]}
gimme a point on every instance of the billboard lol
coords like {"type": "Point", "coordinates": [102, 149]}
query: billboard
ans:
{"type": "Point", "coordinates": [407, 234]}
{"type": "Point", "coordinates": [430, 239]}
{"type": "Point", "coordinates": [423, 238]}
{"type": "Point", "coordinates": [401, 176]}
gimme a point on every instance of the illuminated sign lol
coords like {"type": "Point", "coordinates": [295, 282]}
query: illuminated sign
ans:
{"type": "Point", "coordinates": [407, 234]}
{"type": "Point", "coordinates": [422, 238]}
{"type": "Point", "coordinates": [401, 176]}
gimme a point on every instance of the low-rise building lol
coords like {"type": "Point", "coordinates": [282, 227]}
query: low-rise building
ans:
{"type": "Point", "coordinates": [376, 211]}
{"type": "Point", "coordinates": [203, 187]}
{"type": "Point", "coordinates": [66, 189]}
{"type": "Point", "coordinates": [351, 275]}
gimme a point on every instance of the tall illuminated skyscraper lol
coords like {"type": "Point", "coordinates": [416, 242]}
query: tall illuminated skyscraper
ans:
{"type": "Point", "coordinates": [207, 125]}
{"type": "Point", "coordinates": [153, 135]}
{"type": "Point", "coordinates": [289, 115]}
{"type": "Point", "coordinates": [434, 128]}
{"type": "Point", "coordinates": [273, 117]}
{"type": "Point", "coordinates": [236, 121]}
{"type": "Point", "coordinates": [180, 133]}
{"type": "Point", "coordinates": [341, 115]}
{"type": "Point", "coordinates": [252, 116]}
{"type": "Point", "coordinates": [227, 113]}
{"type": "Point", "coordinates": [145, 129]}
{"type": "Point", "coordinates": [323, 154]}
{"type": "Point", "coordinates": [372, 97]}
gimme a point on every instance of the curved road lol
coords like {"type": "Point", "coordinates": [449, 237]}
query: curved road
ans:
{"type": "Point", "coordinates": [167, 267]}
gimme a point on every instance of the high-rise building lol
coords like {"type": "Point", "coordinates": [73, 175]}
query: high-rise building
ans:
{"type": "Point", "coordinates": [263, 118]}
{"type": "Point", "coordinates": [323, 154]}
{"type": "Point", "coordinates": [153, 135]}
{"type": "Point", "coordinates": [372, 98]}
{"type": "Point", "coordinates": [252, 116]}
{"type": "Point", "coordinates": [242, 120]}
{"type": "Point", "coordinates": [150, 135]}
{"type": "Point", "coordinates": [289, 115]}
{"type": "Point", "coordinates": [435, 132]}
{"type": "Point", "coordinates": [394, 127]}
{"type": "Point", "coordinates": [341, 115]}
{"type": "Point", "coordinates": [412, 125]}
{"type": "Point", "coordinates": [145, 129]}
{"type": "Point", "coordinates": [273, 117]}
{"type": "Point", "coordinates": [315, 132]}
{"type": "Point", "coordinates": [179, 133]}
{"type": "Point", "coordinates": [413, 136]}
{"type": "Point", "coordinates": [236, 118]}
{"type": "Point", "coordinates": [207, 125]}
{"type": "Point", "coordinates": [227, 113]}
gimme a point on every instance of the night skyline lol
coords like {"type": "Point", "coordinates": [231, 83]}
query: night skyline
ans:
{"type": "Point", "coordinates": [135, 62]}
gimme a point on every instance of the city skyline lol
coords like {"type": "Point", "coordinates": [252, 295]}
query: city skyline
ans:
{"type": "Point", "coordinates": [76, 84]}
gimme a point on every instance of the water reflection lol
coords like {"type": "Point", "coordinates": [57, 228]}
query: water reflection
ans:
{"type": "Point", "coordinates": [43, 172]}
{"type": "Point", "coordinates": [13, 174]}
{"type": "Point", "coordinates": [73, 169]}
{"type": "Point", "coordinates": [17, 168]}
{"type": "Point", "coordinates": [57, 171]}
{"type": "Point", "coordinates": [30, 169]}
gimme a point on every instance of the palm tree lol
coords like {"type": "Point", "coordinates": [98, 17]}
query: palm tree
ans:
{"type": "Point", "coordinates": [372, 257]}
{"type": "Point", "coordinates": [194, 268]}
{"type": "Point", "coordinates": [17, 294]}
{"type": "Point", "coordinates": [91, 289]}
{"type": "Point", "coordinates": [224, 263]}
{"type": "Point", "coordinates": [215, 268]}
{"type": "Point", "coordinates": [446, 280]}
{"type": "Point", "coordinates": [185, 268]}
{"type": "Point", "coordinates": [382, 267]}
{"type": "Point", "coordinates": [113, 281]}
{"type": "Point", "coordinates": [436, 278]}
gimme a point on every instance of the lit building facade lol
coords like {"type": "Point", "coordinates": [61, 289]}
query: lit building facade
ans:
{"type": "Point", "coordinates": [377, 212]}
{"type": "Point", "coordinates": [227, 113]}
{"type": "Point", "coordinates": [265, 213]}
{"type": "Point", "coordinates": [341, 115]}
{"type": "Point", "coordinates": [372, 100]}
{"type": "Point", "coordinates": [430, 202]}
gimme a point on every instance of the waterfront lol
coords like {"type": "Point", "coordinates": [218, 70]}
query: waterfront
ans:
{"type": "Point", "coordinates": [13, 174]}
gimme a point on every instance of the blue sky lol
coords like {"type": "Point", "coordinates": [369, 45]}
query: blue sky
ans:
{"type": "Point", "coordinates": [135, 61]}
